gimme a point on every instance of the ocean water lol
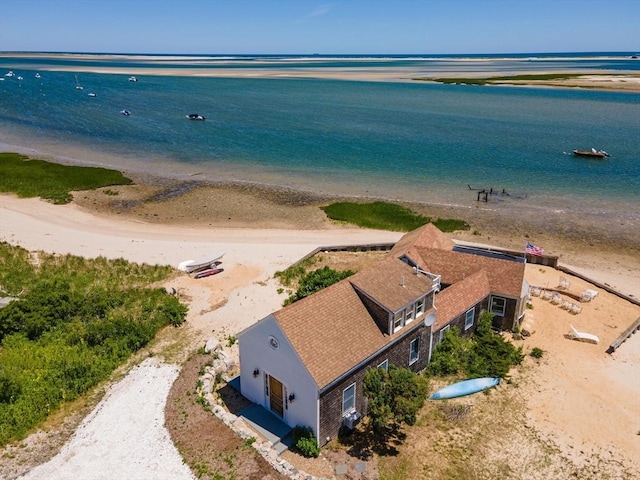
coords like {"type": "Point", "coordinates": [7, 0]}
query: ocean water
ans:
{"type": "Point", "coordinates": [417, 141]}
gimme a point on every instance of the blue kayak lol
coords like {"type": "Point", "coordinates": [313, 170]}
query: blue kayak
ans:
{"type": "Point", "coordinates": [466, 387]}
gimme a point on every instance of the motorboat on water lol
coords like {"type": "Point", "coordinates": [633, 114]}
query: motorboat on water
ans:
{"type": "Point", "coordinates": [593, 153]}
{"type": "Point", "coordinates": [9, 73]}
{"type": "Point", "coordinates": [125, 112]}
{"type": "Point", "coordinates": [92, 94]}
{"type": "Point", "coordinates": [133, 79]}
{"type": "Point", "coordinates": [37, 75]}
{"type": "Point", "coordinates": [196, 116]}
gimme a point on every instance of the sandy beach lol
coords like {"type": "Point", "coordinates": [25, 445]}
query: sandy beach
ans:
{"type": "Point", "coordinates": [581, 399]}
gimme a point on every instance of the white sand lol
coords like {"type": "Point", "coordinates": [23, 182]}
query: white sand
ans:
{"type": "Point", "coordinates": [124, 437]}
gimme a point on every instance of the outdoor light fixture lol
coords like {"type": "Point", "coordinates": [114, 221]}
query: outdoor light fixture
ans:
{"type": "Point", "coordinates": [256, 372]}
{"type": "Point", "coordinates": [292, 397]}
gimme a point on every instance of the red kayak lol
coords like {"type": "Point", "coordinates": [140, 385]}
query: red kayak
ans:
{"type": "Point", "coordinates": [208, 273]}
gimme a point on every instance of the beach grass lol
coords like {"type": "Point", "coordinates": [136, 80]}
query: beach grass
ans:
{"type": "Point", "coordinates": [29, 178]}
{"type": "Point", "coordinates": [387, 216]}
{"type": "Point", "coordinates": [73, 322]}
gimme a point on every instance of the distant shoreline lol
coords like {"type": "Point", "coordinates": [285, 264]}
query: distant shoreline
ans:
{"type": "Point", "coordinates": [267, 66]}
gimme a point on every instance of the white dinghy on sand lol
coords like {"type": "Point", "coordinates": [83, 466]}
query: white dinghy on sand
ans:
{"type": "Point", "coordinates": [191, 266]}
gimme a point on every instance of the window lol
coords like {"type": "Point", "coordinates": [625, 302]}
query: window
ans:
{"type": "Point", "coordinates": [398, 320]}
{"type": "Point", "coordinates": [414, 351]}
{"type": "Point", "coordinates": [409, 314]}
{"type": "Point", "coordinates": [349, 399]}
{"type": "Point", "coordinates": [442, 332]}
{"type": "Point", "coordinates": [468, 320]}
{"type": "Point", "coordinates": [384, 365]}
{"type": "Point", "coordinates": [419, 307]}
{"type": "Point", "coordinates": [498, 305]}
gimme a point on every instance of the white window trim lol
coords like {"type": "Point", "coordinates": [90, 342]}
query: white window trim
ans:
{"type": "Point", "coordinates": [350, 409]}
{"type": "Point", "coordinates": [412, 361]}
{"type": "Point", "coordinates": [467, 324]}
{"type": "Point", "coordinates": [385, 365]}
{"type": "Point", "coordinates": [504, 305]}
{"type": "Point", "coordinates": [409, 314]}
{"type": "Point", "coordinates": [444, 329]}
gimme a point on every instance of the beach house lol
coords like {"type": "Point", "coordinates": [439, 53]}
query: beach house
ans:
{"type": "Point", "coordinates": [306, 362]}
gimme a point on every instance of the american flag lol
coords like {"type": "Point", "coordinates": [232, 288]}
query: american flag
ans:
{"type": "Point", "coordinates": [533, 250]}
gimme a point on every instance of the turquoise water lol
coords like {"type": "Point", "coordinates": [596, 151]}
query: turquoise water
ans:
{"type": "Point", "coordinates": [411, 141]}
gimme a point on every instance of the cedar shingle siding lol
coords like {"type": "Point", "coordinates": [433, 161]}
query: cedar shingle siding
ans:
{"type": "Point", "coordinates": [397, 354]}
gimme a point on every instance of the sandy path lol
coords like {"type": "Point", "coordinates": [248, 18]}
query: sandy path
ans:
{"type": "Point", "coordinates": [124, 437]}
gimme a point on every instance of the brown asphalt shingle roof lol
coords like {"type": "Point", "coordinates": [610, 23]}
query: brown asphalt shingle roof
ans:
{"type": "Point", "coordinates": [427, 236]}
{"type": "Point", "coordinates": [505, 277]}
{"type": "Point", "coordinates": [392, 283]}
{"type": "Point", "coordinates": [332, 331]}
{"type": "Point", "coordinates": [458, 298]}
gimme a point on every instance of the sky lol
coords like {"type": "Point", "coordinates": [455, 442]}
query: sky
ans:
{"type": "Point", "coordinates": [324, 27]}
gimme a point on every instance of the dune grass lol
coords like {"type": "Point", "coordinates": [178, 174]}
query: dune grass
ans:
{"type": "Point", "coordinates": [387, 216]}
{"type": "Point", "coordinates": [51, 181]}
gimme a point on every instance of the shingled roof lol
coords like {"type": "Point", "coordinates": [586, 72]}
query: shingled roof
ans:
{"type": "Point", "coordinates": [391, 283]}
{"type": "Point", "coordinates": [427, 236]}
{"type": "Point", "coordinates": [505, 277]}
{"type": "Point", "coordinates": [458, 298]}
{"type": "Point", "coordinates": [332, 331]}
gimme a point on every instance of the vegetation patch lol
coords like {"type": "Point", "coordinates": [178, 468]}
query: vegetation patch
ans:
{"type": "Point", "coordinates": [503, 79]}
{"type": "Point", "coordinates": [387, 216]}
{"type": "Point", "coordinates": [73, 323]}
{"type": "Point", "coordinates": [394, 396]}
{"type": "Point", "coordinates": [305, 441]}
{"type": "Point", "coordinates": [315, 281]}
{"type": "Point", "coordinates": [51, 181]}
{"type": "Point", "coordinates": [486, 354]}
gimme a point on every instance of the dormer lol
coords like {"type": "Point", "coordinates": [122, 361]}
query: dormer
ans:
{"type": "Point", "coordinates": [394, 293]}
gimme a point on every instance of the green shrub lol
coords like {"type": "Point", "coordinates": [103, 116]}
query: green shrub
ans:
{"type": "Point", "coordinates": [486, 354]}
{"type": "Point", "coordinates": [74, 323]}
{"type": "Point", "coordinates": [315, 281]}
{"type": "Point", "coordinates": [536, 352]}
{"type": "Point", "coordinates": [305, 441]}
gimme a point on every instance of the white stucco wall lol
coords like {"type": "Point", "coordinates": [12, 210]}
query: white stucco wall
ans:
{"type": "Point", "coordinates": [282, 363]}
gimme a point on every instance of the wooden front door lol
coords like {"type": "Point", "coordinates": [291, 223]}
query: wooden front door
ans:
{"type": "Point", "coordinates": [276, 396]}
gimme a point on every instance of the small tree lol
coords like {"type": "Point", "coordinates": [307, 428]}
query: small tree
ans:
{"type": "Point", "coordinates": [315, 281]}
{"type": "Point", "coordinates": [394, 397]}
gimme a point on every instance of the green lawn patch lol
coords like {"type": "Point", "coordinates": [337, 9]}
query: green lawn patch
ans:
{"type": "Point", "coordinates": [387, 216]}
{"type": "Point", "coordinates": [37, 178]}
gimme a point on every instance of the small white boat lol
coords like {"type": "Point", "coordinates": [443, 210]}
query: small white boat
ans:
{"type": "Point", "coordinates": [9, 74]}
{"type": "Point", "coordinates": [196, 116]}
{"type": "Point", "coordinates": [190, 266]}
{"type": "Point", "coordinates": [37, 75]}
{"type": "Point", "coordinates": [78, 86]}
{"type": "Point", "coordinates": [92, 94]}
{"type": "Point", "coordinates": [133, 79]}
{"type": "Point", "coordinates": [125, 112]}
{"type": "Point", "coordinates": [19, 77]}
